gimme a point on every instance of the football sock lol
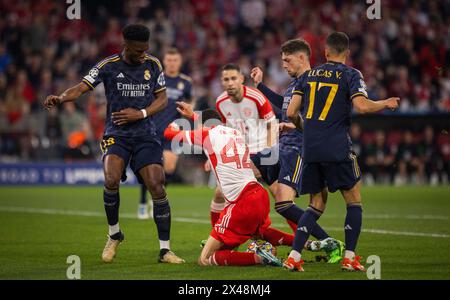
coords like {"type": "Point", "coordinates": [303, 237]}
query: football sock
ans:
{"type": "Point", "coordinates": [277, 237]}
{"type": "Point", "coordinates": [349, 254]}
{"type": "Point", "coordinates": [352, 227]}
{"type": "Point", "coordinates": [162, 217]}
{"type": "Point", "coordinates": [293, 213]}
{"type": "Point", "coordinates": [216, 209]}
{"type": "Point", "coordinates": [305, 226]}
{"type": "Point", "coordinates": [113, 229]}
{"type": "Point", "coordinates": [295, 255]}
{"type": "Point", "coordinates": [233, 258]}
{"type": "Point", "coordinates": [143, 199]}
{"type": "Point", "coordinates": [111, 200]}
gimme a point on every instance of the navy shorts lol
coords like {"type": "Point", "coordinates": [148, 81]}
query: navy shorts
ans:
{"type": "Point", "coordinates": [138, 152]}
{"type": "Point", "coordinates": [269, 172]}
{"type": "Point", "coordinates": [290, 162]}
{"type": "Point", "coordinates": [315, 176]}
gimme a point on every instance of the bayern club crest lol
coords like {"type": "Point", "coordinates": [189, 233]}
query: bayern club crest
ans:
{"type": "Point", "coordinates": [247, 112]}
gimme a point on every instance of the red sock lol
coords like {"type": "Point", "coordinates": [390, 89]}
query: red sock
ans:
{"type": "Point", "coordinates": [233, 258]}
{"type": "Point", "coordinates": [214, 217]}
{"type": "Point", "coordinates": [277, 237]}
{"type": "Point", "coordinates": [293, 225]}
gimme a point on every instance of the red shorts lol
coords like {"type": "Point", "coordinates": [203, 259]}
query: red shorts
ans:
{"type": "Point", "coordinates": [246, 217]}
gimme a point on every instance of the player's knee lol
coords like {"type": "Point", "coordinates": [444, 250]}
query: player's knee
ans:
{"type": "Point", "coordinates": [111, 182]}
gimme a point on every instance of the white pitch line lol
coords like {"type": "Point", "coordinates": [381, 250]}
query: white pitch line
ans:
{"type": "Point", "coordinates": [83, 213]}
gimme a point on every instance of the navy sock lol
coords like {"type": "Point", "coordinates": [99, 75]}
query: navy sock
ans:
{"type": "Point", "coordinates": [111, 200]}
{"type": "Point", "coordinates": [161, 215]}
{"type": "Point", "coordinates": [305, 226]}
{"type": "Point", "coordinates": [143, 199]}
{"type": "Point", "coordinates": [352, 227]}
{"type": "Point", "coordinates": [292, 212]}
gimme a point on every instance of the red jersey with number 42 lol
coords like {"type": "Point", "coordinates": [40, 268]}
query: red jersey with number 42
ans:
{"type": "Point", "coordinates": [227, 153]}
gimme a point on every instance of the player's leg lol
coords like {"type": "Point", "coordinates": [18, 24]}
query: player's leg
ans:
{"type": "Point", "coordinates": [215, 253]}
{"type": "Point", "coordinates": [288, 188]}
{"type": "Point", "coordinates": [113, 167]}
{"type": "Point", "coordinates": [153, 177]}
{"type": "Point", "coordinates": [306, 224]}
{"type": "Point", "coordinates": [352, 227]}
{"type": "Point", "coordinates": [345, 176]}
{"type": "Point", "coordinates": [217, 205]}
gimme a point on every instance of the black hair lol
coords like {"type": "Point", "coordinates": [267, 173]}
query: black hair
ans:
{"type": "Point", "coordinates": [231, 66]}
{"type": "Point", "coordinates": [338, 42]}
{"type": "Point", "coordinates": [136, 32]}
{"type": "Point", "coordinates": [210, 114]}
{"type": "Point", "coordinates": [296, 45]}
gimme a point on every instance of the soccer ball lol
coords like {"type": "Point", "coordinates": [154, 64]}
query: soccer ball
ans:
{"type": "Point", "coordinates": [264, 245]}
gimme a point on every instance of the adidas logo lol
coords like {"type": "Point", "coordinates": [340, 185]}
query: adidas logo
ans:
{"type": "Point", "coordinates": [288, 178]}
{"type": "Point", "coordinates": [304, 229]}
{"type": "Point", "coordinates": [120, 75]}
{"type": "Point", "coordinates": [348, 227]}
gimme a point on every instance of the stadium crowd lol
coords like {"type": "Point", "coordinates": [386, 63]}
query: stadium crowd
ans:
{"type": "Point", "coordinates": [406, 54]}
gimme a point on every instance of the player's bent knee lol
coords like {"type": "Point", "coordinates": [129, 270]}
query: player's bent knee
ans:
{"type": "Point", "coordinates": [112, 183]}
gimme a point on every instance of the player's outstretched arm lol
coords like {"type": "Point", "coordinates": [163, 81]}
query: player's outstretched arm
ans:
{"type": "Point", "coordinates": [363, 105]}
{"type": "Point", "coordinates": [68, 95]}
{"type": "Point", "coordinates": [293, 111]}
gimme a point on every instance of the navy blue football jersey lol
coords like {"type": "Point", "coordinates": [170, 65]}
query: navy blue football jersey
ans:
{"type": "Point", "coordinates": [178, 88]}
{"type": "Point", "coordinates": [128, 86]}
{"type": "Point", "coordinates": [327, 92]}
{"type": "Point", "coordinates": [290, 139]}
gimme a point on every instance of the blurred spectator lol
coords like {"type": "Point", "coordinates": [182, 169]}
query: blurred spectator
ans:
{"type": "Point", "coordinates": [76, 133]}
{"type": "Point", "coordinates": [430, 156]}
{"type": "Point", "coordinates": [410, 167]}
{"type": "Point", "coordinates": [378, 160]}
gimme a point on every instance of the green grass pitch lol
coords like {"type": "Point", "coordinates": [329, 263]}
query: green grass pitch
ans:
{"type": "Point", "coordinates": [408, 228]}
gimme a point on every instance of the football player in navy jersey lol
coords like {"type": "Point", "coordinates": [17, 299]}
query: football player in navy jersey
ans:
{"type": "Point", "coordinates": [178, 88]}
{"type": "Point", "coordinates": [295, 55]}
{"type": "Point", "coordinates": [329, 92]}
{"type": "Point", "coordinates": [135, 90]}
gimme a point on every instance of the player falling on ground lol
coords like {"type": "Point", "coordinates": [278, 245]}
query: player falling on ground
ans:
{"type": "Point", "coordinates": [247, 110]}
{"type": "Point", "coordinates": [295, 55]}
{"type": "Point", "coordinates": [135, 90]}
{"type": "Point", "coordinates": [329, 91]}
{"type": "Point", "coordinates": [178, 88]}
{"type": "Point", "coordinates": [247, 213]}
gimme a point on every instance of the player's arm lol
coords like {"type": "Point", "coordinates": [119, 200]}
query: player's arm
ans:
{"type": "Point", "coordinates": [363, 105]}
{"type": "Point", "coordinates": [293, 111]}
{"type": "Point", "coordinates": [257, 75]}
{"type": "Point", "coordinates": [68, 95]}
{"type": "Point", "coordinates": [193, 137]}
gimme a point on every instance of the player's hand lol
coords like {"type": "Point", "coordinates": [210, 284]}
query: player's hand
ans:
{"type": "Point", "coordinates": [207, 167]}
{"type": "Point", "coordinates": [127, 115]}
{"type": "Point", "coordinates": [257, 75]}
{"type": "Point", "coordinates": [392, 103]}
{"type": "Point", "coordinates": [185, 109]}
{"type": "Point", "coordinates": [52, 101]}
{"type": "Point", "coordinates": [285, 127]}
